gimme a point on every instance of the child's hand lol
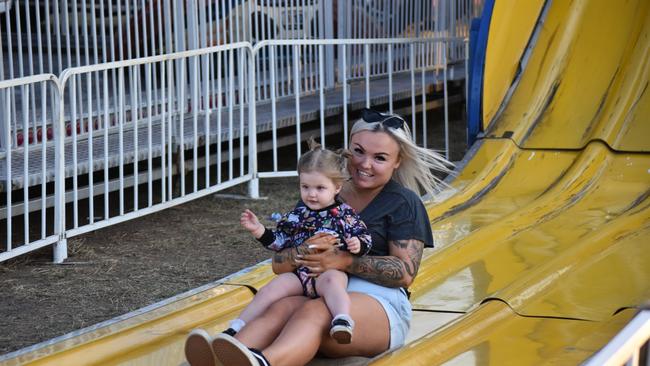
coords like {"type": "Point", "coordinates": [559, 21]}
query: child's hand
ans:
{"type": "Point", "coordinates": [354, 245]}
{"type": "Point", "coordinates": [250, 222]}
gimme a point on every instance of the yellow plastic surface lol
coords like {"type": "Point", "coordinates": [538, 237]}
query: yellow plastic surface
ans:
{"type": "Point", "coordinates": [587, 199]}
{"type": "Point", "coordinates": [505, 49]}
{"type": "Point", "coordinates": [587, 79]}
{"type": "Point", "coordinates": [154, 337]}
{"type": "Point", "coordinates": [543, 241]}
{"type": "Point", "coordinates": [495, 335]}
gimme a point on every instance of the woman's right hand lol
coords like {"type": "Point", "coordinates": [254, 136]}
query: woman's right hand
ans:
{"type": "Point", "coordinates": [289, 259]}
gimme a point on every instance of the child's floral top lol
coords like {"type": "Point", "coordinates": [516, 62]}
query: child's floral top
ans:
{"type": "Point", "coordinates": [301, 223]}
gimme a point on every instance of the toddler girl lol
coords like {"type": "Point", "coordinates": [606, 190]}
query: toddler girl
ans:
{"type": "Point", "coordinates": [321, 174]}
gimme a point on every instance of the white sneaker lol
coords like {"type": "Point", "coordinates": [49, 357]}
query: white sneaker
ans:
{"type": "Point", "coordinates": [231, 352]}
{"type": "Point", "coordinates": [198, 349]}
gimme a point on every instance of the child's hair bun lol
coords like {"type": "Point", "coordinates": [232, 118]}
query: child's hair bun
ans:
{"type": "Point", "coordinates": [313, 144]}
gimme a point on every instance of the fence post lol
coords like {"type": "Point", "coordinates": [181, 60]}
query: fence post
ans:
{"type": "Point", "coordinates": [5, 136]}
{"type": "Point", "coordinates": [61, 246]}
{"type": "Point", "coordinates": [326, 23]}
{"type": "Point", "coordinates": [253, 185]}
{"type": "Point", "coordinates": [342, 18]}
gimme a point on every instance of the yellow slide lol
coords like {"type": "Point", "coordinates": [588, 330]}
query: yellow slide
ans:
{"type": "Point", "coordinates": [543, 244]}
{"type": "Point", "coordinates": [544, 248]}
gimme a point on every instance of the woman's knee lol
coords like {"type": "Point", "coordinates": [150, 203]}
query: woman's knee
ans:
{"type": "Point", "coordinates": [315, 311]}
{"type": "Point", "coordinates": [282, 309]}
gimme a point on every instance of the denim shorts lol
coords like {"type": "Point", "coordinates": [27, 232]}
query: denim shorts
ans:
{"type": "Point", "coordinates": [395, 303]}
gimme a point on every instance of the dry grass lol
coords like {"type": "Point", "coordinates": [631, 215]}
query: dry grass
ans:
{"type": "Point", "coordinates": [121, 268]}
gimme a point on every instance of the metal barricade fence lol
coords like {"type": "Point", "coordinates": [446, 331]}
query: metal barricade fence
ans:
{"type": "Point", "coordinates": [125, 157]}
{"type": "Point", "coordinates": [334, 101]}
{"type": "Point", "coordinates": [28, 226]}
{"type": "Point", "coordinates": [49, 36]}
{"type": "Point", "coordinates": [119, 160]}
{"type": "Point", "coordinates": [156, 141]}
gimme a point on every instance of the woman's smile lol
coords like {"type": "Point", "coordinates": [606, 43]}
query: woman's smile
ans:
{"type": "Point", "coordinates": [375, 156]}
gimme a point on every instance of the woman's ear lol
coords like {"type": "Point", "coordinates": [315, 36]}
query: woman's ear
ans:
{"type": "Point", "coordinates": [398, 162]}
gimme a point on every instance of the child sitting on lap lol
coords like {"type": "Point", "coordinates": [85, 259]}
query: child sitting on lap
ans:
{"type": "Point", "coordinates": [321, 173]}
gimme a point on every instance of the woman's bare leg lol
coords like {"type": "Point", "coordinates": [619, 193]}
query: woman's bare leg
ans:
{"type": "Point", "coordinates": [332, 286]}
{"type": "Point", "coordinates": [371, 330]}
{"type": "Point", "coordinates": [261, 331]}
{"type": "Point", "coordinates": [307, 331]}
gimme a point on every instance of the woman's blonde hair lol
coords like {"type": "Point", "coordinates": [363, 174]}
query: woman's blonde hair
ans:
{"type": "Point", "coordinates": [417, 164]}
{"type": "Point", "coordinates": [332, 164]}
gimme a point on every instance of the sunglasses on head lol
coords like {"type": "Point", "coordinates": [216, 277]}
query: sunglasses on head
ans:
{"type": "Point", "coordinates": [372, 116]}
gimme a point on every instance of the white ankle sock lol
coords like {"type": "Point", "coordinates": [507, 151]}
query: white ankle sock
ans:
{"type": "Point", "coordinates": [237, 324]}
{"type": "Point", "coordinates": [345, 317]}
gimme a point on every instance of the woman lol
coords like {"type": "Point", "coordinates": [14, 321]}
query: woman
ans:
{"type": "Point", "coordinates": [387, 168]}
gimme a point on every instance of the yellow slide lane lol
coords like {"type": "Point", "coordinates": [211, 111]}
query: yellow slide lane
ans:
{"type": "Point", "coordinates": [586, 79]}
{"type": "Point", "coordinates": [549, 262]}
{"type": "Point", "coordinates": [495, 335]}
{"type": "Point", "coordinates": [154, 335]}
{"type": "Point", "coordinates": [590, 194]}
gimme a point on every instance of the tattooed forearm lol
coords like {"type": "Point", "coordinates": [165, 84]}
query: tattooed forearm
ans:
{"type": "Point", "coordinates": [288, 255]}
{"type": "Point", "coordinates": [282, 257]}
{"type": "Point", "coordinates": [414, 254]}
{"type": "Point", "coordinates": [391, 271]}
{"type": "Point", "coordinates": [284, 260]}
{"type": "Point", "coordinates": [385, 271]}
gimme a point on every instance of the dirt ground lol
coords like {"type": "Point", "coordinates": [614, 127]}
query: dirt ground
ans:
{"type": "Point", "coordinates": [124, 267]}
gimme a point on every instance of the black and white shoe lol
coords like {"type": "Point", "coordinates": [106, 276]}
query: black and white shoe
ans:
{"type": "Point", "coordinates": [231, 352]}
{"type": "Point", "coordinates": [198, 349]}
{"type": "Point", "coordinates": [260, 357]}
{"type": "Point", "coordinates": [341, 330]}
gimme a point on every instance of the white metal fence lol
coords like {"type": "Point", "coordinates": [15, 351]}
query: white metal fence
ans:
{"type": "Point", "coordinates": [630, 347]}
{"type": "Point", "coordinates": [49, 36]}
{"type": "Point", "coordinates": [33, 160]}
{"type": "Point", "coordinates": [154, 98]}
{"type": "Point", "coordinates": [420, 74]}
{"type": "Point", "coordinates": [135, 157]}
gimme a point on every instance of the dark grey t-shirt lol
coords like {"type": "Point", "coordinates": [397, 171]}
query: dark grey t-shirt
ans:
{"type": "Point", "coordinates": [397, 213]}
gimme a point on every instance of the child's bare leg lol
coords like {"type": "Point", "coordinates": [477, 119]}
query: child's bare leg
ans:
{"type": "Point", "coordinates": [284, 285]}
{"type": "Point", "coordinates": [332, 286]}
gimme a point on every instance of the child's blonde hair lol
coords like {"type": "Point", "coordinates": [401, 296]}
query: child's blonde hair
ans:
{"type": "Point", "coordinates": [332, 164]}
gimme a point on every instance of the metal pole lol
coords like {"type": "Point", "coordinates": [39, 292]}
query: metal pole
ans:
{"type": "Point", "coordinates": [61, 246]}
{"type": "Point", "coordinates": [296, 91]}
{"type": "Point", "coordinates": [446, 100]}
{"type": "Point", "coordinates": [253, 185]}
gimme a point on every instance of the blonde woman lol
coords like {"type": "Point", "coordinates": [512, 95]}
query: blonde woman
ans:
{"type": "Point", "coordinates": [387, 169]}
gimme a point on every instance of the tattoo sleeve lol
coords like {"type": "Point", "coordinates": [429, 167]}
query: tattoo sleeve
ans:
{"type": "Point", "coordinates": [287, 257]}
{"type": "Point", "coordinates": [396, 270]}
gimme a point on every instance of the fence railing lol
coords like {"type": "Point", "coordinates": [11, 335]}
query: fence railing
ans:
{"type": "Point", "coordinates": [165, 144]}
{"type": "Point", "coordinates": [50, 36]}
{"type": "Point", "coordinates": [630, 347]}
{"type": "Point", "coordinates": [42, 160]}
{"type": "Point", "coordinates": [421, 74]}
